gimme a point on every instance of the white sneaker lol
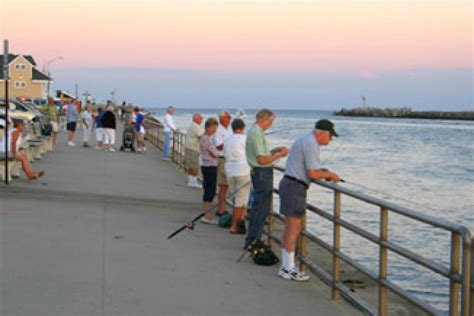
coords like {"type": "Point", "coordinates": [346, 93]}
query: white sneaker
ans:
{"type": "Point", "coordinates": [196, 185]}
{"type": "Point", "coordinates": [293, 274]}
{"type": "Point", "coordinates": [111, 149]}
{"type": "Point", "coordinates": [144, 148]}
{"type": "Point", "coordinates": [71, 144]}
{"type": "Point", "coordinates": [208, 221]}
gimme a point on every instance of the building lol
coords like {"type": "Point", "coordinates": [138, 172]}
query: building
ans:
{"type": "Point", "coordinates": [26, 81]}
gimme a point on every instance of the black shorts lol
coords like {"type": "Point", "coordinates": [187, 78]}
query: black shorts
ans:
{"type": "Point", "coordinates": [71, 126]}
{"type": "Point", "coordinates": [292, 198]}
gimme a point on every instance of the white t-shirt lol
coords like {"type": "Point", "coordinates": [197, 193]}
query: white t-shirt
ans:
{"type": "Point", "coordinates": [235, 157]}
{"type": "Point", "coordinates": [87, 118]}
{"type": "Point", "coordinates": [221, 134]}
{"type": "Point", "coordinates": [168, 122]}
{"type": "Point", "coordinates": [192, 137]}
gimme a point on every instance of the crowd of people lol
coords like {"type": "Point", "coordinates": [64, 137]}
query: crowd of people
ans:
{"type": "Point", "coordinates": [239, 164]}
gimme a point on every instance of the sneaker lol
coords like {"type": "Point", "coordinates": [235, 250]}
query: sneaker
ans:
{"type": "Point", "coordinates": [71, 144]}
{"type": "Point", "coordinates": [196, 185]}
{"type": "Point", "coordinates": [293, 274]}
{"type": "Point", "coordinates": [208, 221]}
{"type": "Point", "coordinates": [111, 149]}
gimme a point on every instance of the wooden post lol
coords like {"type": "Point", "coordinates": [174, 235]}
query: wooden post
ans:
{"type": "Point", "coordinates": [302, 242]}
{"type": "Point", "coordinates": [383, 262]}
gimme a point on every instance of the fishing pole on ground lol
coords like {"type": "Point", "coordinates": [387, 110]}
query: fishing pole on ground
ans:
{"type": "Point", "coordinates": [192, 223]}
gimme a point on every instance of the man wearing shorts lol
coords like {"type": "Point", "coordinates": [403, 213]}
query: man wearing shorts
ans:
{"type": "Point", "coordinates": [191, 150]}
{"type": "Point", "coordinates": [223, 131]}
{"type": "Point", "coordinates": [302, 166]}
{"type": "Point", "coordinates": [71, 119]}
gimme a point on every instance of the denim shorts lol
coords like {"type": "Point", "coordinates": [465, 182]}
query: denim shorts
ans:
{"type": "Point", "coordinates": [292, 198]}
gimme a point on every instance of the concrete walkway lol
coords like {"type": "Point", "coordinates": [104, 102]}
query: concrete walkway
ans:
{"type": "Point", "coordinates": [90, 239]}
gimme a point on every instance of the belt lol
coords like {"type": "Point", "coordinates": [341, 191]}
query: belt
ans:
{"type": "Point", "coordinates": [296, 180]}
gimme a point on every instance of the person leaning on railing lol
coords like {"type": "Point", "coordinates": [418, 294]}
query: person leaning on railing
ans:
{"type": "Point", "coordinates": [303, 166]}
{"type": "Point", "coordinates": [260, 158]}
{"type": "Point", "coordinates": [168, 128]}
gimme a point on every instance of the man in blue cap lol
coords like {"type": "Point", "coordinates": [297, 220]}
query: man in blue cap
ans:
{"type": "Point", "coordinates": [303, 166]}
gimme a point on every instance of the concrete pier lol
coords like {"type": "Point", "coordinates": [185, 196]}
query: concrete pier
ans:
{"type": "Point", "coordinates": [89, 238]}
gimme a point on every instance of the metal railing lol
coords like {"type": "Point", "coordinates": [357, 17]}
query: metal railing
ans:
{"type": "Point", "coordinates": [458, 273]}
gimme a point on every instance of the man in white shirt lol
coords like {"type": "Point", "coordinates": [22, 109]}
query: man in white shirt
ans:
{"type": "Point", "coordinates": [169, 127]}
{"type": "Point", "coordinates": [192, 148]}
{"type": "Point", "coordinates": [238, 174]}
{"type": "Point", "coordinates": [223, 131]}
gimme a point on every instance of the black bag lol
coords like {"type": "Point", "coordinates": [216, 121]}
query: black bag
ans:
{"type": "Point", "coordinates": [46, 129]}
{"type": "Point", "coordinates": [263, 255]}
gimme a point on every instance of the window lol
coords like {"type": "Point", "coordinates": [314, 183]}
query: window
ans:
{"type": "Point", "coordinates": [20, 84]}
{"type": "Point", "coordinates": [20, 67]}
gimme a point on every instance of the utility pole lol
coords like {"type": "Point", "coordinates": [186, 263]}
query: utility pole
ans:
{"type": "Point", "coordinates": [7, 103]}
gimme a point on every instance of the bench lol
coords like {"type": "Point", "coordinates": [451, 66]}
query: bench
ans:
{"type": "Point", "coordinates": [36, 148]}
{"type": "Point", "coordinates": [13, 168]}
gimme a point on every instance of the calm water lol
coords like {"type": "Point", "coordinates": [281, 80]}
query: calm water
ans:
{"type": "Point", "coordinates": [425, 165]}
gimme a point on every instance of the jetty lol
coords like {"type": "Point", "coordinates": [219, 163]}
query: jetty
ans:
{"type": "Point", "coordinates": [89, 238]}
{"type": "Point", "coordinates": [406, 112]}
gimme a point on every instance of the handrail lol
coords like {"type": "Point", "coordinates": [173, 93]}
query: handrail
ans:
{"type": "Point", "coordinates": [459, 272]}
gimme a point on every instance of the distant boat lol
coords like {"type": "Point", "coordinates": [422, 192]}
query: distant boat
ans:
{"type": "Point", "coordinates": [240, 114]}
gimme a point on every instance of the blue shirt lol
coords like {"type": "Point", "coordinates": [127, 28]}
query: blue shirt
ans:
{"type": "Point", "coordinates": [98, 120]}
{"type": "Point", "coordinates": [71, 113]}
{"type": "Point", "coordinates": [140, 118]}
{"type": "Point", "coordinates": [304, 156]}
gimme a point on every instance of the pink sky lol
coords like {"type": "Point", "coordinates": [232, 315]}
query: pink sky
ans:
{"type": "Point", "coordinates": [242, 35]}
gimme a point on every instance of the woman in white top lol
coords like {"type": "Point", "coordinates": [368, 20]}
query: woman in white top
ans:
{"type": "Point", "coordinates": [238, 174]}
{"type": "Point", "coordinates": [14, 143]}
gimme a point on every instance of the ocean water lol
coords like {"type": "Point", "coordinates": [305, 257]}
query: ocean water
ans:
{"type": "Point", "coordinates": [425, 165]}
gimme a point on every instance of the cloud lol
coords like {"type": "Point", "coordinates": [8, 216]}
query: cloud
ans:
{"type": "Point", "coordinates": [368, 75]}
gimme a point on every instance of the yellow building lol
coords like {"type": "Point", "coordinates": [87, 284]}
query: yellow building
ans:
{"type": "Point", "coordinates": [25, 80]}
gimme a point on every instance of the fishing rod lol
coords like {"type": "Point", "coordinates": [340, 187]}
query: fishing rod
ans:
{"type": "Point", "coordinates": [284, 130]}
{"type": "Point", "coordinates": [371, 189]}
{"type": "Point", "coordinates": [192, 223]}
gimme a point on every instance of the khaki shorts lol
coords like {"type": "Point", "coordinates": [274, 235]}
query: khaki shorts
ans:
{"type": "Point", "coordinates": [241, 185]}
{"type": "Point", "coordinates": [191, 159]}
{"type": "Point", "coordinates": [221, 176]}
{"type": "Point", "coordinates": [55, 127]}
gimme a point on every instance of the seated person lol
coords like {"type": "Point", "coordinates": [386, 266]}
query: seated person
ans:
{"type": "Point", "coordinates": [14, 142]}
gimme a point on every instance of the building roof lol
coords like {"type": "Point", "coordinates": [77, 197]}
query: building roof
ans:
{"type": "Point", "coordinates": [37, 75]}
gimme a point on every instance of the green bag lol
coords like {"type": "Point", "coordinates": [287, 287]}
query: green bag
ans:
{"type": "Point", "coordinates": [225, 221]}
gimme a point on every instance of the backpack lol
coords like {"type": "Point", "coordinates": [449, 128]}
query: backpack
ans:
{"type": "Point", "coordinates": [225, 221]}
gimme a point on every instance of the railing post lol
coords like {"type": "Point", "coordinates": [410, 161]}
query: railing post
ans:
{"type": "Point", "coordinates": [302, 243]}
{"type": "Point", "coordinates": [336, 264]}
{"type": "Point", "coordinates": [467, 276]}
{"type": "Point", "coordinates": [383, 262]}
{"type": "Point", "coordinates": [455, 263]}
{"type": "Point", "coordinates": [182, 162]}
{"type": "Point", "coordinates": [471, 285]}
{"type": "Point", "coordinates": [173, 148]}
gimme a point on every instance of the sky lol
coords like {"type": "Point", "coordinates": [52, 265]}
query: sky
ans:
{"type": "Point", "coordinates": [317, 54]}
